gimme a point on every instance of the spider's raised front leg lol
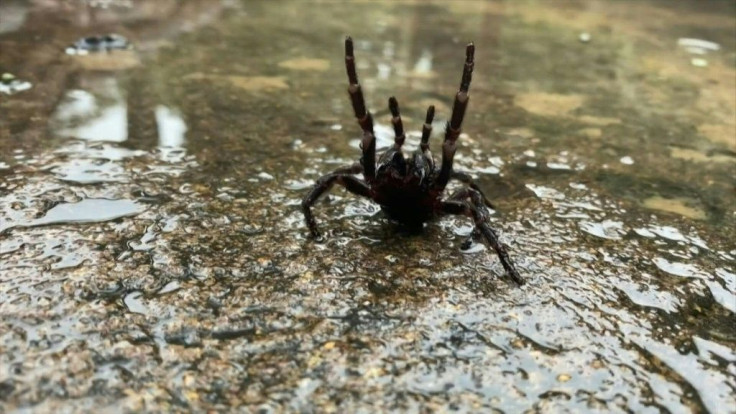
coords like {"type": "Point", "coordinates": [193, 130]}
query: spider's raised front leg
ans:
{"type": "Point", "coordinates": [454, 126]}
{"type": "Point", "coordinates": [341, 176]}
{"type": "Point", "coordinates": [426, 132]}
{"type": "Point", "coordinates": [365, 119]}
{"type": "Point", "coordinates": [399, 136]}
{"type": "Point", "coordinates": [349, 169]}
{"type": "Point", "coordinates": [475, 208]}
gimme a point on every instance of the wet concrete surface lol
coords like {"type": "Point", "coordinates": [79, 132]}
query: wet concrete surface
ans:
{"type": "Point", "coordinates": [153, 255]}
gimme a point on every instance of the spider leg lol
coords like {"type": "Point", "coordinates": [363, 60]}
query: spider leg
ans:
{"type": "Point", "coordinates": [454, 126]}
{"type": "Point", "coordinates": [478, 212]}
{"type": "Point", "coordinates": [465, 178]}
{"type": "Point", "coordinates": [426, 132]}
{"type": "Point", "coordinates": [350, 169]}
{"type": "Point", "coordinates": [462, 195]}
{"type": "Point", "coordinates": [364, 117]}
{"type": "Point", "coordinates": [393, 106]}
{"type": "Point", "coordinates": [324, 183]}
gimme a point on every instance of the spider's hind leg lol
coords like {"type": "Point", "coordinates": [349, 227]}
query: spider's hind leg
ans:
{"type": "Point", "coordinates": [466, 179]}
{"type": "Point", "coordinates": [458, 204]}
{"type": "Point", "coordinates": [462, 195]}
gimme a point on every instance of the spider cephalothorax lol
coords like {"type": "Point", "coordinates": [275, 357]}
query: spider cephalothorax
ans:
{"type": "Point", "coordinates": [409, 189]}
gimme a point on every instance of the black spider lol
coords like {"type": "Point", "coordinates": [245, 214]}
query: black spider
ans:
{"type": "Point", "coordinates": [409, 189]}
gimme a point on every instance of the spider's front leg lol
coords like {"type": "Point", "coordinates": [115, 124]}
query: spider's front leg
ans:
{"type": "Point", "coordinates": [475, 208]}
{"type": "Point", "coordinates": [364, 117]}
{"type": "Point", "coordinates": [454, 125]}
{"type": "Point", "coordinates": [426, 132]}
{"type": "Point", "coordinates": [341, 176]}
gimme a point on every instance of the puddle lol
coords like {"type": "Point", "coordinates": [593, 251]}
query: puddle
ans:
{"type": "Point", "coordinates": [85, 211]}
{"type": "Point", "coordinates": [608, 229]}
{"type": "Point", "coordinates": [89, 211]}
{"type": "Point", "coordinates": [93, 121]}
{"type": "Point", "coordinates": [545, 192]}
{"type": "Point", "coordinates": [675, 268]}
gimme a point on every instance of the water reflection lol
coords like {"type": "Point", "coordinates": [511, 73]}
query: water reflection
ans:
{"type": "Point", "coordinates": [82, 114]}
{"type": "Point", "coordinates": [423, 67]}
{"type": "Point", "coordinates": [14, 14]}
{"type": "Point", "coordinates": [171, 127]}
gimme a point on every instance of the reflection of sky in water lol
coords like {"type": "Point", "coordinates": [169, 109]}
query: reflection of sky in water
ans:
{"type": "Point", "coordinates": [90, 171]}
{"type": "Point", "coordinates": [697, 46]}
{"type": "Point", "coordinates": [89, 210]}
{"type": "Point", "coordinates": [85, 211]}
{"type": "Point", "coordinates": [171, 127]}
{"type": "Point", "coordinates": [100, 114]}
{"type": "Point", "coordinates": [14, 15]}
{"type": "Point", "coordinates": [424, 64]}
{"type": "Point", "coordinates": [83, 117]}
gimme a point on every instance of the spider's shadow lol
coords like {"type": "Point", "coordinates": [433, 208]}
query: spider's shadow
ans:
{"type": "Point", "coordinates": [404, 260]}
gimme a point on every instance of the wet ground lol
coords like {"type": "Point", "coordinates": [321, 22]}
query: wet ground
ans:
{"type": "Point", "coordinates": [153, 255]}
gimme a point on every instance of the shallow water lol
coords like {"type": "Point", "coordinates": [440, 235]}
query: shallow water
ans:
{"type": "Point", "coordinates": [153, 255]}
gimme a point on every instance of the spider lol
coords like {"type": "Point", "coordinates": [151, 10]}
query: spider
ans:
{"type": "Point", "coordinates": [409, 189]}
